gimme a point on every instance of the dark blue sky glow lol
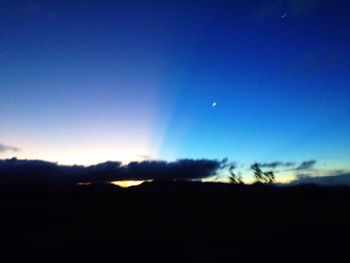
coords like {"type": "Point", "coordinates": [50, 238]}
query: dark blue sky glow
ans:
{"type": "Point", "coordinates": [87, 81]}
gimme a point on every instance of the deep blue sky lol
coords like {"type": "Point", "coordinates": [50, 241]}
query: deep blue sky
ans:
{"type": "Point", "coordinates": [87, 81]}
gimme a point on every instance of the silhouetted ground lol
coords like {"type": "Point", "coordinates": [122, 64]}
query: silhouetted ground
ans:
{"type": "Point", "coordinates": [176, 222]}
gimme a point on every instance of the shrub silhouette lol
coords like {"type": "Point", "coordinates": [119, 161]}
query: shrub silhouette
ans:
{"type": "Point", "coordinates": [260, 176]}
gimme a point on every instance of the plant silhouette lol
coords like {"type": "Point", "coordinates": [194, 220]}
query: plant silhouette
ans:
{"type": "Point", "coordinates": [234, 178]}
{"type": "Point", "coordinates": [260, 176]}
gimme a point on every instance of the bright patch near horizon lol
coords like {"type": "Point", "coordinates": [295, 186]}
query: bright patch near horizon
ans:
{"type": "Point", "coordinates": [214, 104]}
{"type": "Point", "coordinates": [126, 184]}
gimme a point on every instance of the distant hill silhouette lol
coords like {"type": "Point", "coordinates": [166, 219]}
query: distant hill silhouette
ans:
{"type": "Point", "coordinates": [176, 222]}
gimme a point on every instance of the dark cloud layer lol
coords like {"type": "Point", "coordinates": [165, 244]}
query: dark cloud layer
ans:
{"type": "Point", "coordinates": [36, 171]}
{"type": "Point", "coordinates": [4, 148]}
{"type": "Point", "coordinates": [332, 180]}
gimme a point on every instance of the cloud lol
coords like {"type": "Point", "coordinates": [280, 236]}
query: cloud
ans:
{"type": "Point", "coordinates": [331, 180]}
{"type": "Point", "coordinates": [271, 9]}
{"type": "Point", "coordinates": [144, 157]}
{"type": "Point", "coordinates": [276, 8]}
{"type": "Point", "coordinates": [14, 171]}
{"type": "Point", "coordinates": [306, 165]}
{"type": "Point", "coordinates": [288, 166]}
{"type": "Point", "coordinates": [302, 7]}
{"type": "Point", "coordinates": [313, 62]}
{"type": "Point", "coordinates": [4, 148]}
{"type": "Point", "coordinates": [276, 164]}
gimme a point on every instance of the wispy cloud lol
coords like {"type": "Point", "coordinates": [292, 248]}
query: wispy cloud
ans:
{"type": "Point", "coordinates": [144, 157]}
{"type": "Point", "coordinates": [4, 148]}
{"type": "Point", "coordinates": [306, 165]}
{"type": "Point", "coordinates": [276, 164]}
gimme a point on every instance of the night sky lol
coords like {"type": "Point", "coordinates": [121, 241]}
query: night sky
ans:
{"type": "Point", "coordinates": [83, 82]}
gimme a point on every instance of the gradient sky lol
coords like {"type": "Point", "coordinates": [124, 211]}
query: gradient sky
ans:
{"type": "Point", "coordinates": [90, 81]}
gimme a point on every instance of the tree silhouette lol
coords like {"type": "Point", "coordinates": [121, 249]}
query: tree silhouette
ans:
{"type": "Point", "coordinates": [260, 176]}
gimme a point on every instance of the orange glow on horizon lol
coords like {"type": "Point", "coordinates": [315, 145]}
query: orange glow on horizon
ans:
{"type": "Point", "coordinates": [126, 184]}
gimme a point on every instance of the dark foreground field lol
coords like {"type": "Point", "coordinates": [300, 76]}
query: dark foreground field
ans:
{"type": "Point", "coordinates": [176, 222]}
